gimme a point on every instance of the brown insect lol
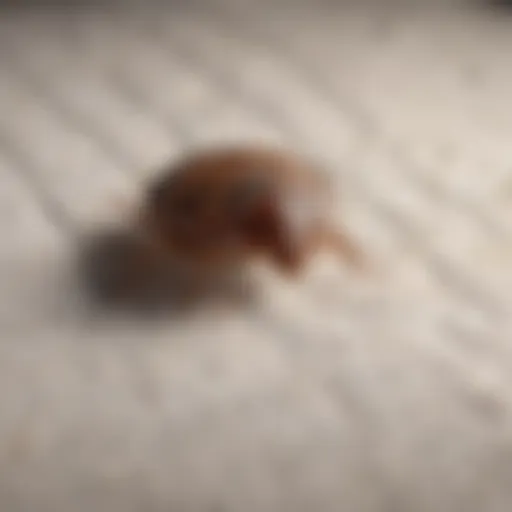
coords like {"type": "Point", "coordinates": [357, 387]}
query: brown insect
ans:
{"type": "Point", "coordinates": [206, 217]}
{"type": "Point", "coordinates": [219, 209]}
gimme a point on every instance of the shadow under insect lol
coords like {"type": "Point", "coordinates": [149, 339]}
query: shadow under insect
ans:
{"type": "Point", "coordinates": [118, 271]}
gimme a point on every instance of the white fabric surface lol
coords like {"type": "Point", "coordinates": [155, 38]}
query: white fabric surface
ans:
{"type": "Point", "coordinates": [385, 393]}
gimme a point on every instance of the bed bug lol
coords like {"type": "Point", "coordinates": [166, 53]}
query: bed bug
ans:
{"type": "Point", "coordinates": [222, 208]}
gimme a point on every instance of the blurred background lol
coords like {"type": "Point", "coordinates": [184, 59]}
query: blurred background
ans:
{"type": "Point", "coordinates": [388, 393]}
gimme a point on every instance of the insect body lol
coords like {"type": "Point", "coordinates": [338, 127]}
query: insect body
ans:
{"type": "Point", "coordinates": [224, 207]}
